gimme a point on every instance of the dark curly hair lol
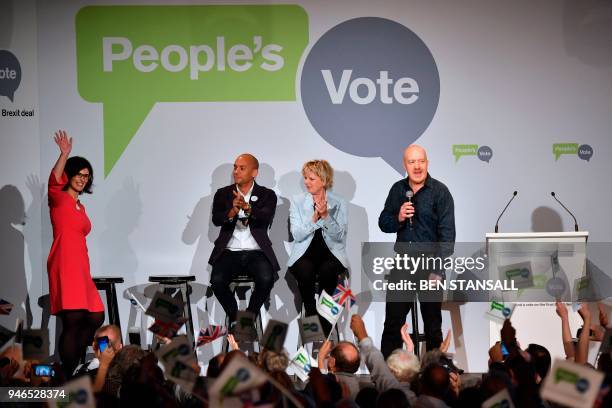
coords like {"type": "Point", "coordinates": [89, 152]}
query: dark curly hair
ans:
{"type": "Point", "coordinates": [73, 166]}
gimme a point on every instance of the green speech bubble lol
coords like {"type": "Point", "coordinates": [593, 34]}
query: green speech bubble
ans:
{"type": "Point", "coordinates": [583, 283]}
{"type": "Point", "coordinates": [565, 375]}
{"type": "Point", "coordinates": [301, 358]}
{"type": "Point", "coordinates": [564, 148]}
{"type": "Point", "coordinates": [539, 281]}
{"type": "Point", "coordinates": [497, 306]}
{"type": "Point", "coordinates": [131, 57]}
{"type": "Point", "coordinates": [464, 150]}
{"type": "Point", "coordinates": [327, 303]}
{"type": "Point", "coordinates": [513, 273]}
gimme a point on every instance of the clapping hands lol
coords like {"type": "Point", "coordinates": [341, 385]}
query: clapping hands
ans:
{"type": "Point", "coordinates": [407, 339]}
{"type": "Point", "coordinates": [239, 203]}
{"type": "Point", "coordinates": [320, 207]}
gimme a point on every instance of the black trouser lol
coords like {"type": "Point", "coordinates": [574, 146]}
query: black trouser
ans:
{"type": "Point", "coordinates": [233, 263]}
{"type": "Point", "coordinates": [399, 305]}
{"type": "Point", "coordinates": [317, 264]}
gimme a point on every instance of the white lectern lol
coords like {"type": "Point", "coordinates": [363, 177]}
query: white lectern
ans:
{"type": "Point", "coordinates": [549, 265]}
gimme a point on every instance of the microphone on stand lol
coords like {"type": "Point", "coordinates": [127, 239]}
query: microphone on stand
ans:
{"type": "Point", "coordinates": [503, 211]}
{"type": "Point", "coordinates": [409, 195]}
{"type": "Point", "coordinates": [552, 193]}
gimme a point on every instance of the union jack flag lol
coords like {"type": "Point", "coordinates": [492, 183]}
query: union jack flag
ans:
{"type": "Point", "coordinates": [5, 307]}
{"type": "Point", "coordinates": [211, 333]}
{"type": "Point", "coordinates": [167, 329]}
{"type": "Point", "coordinates": [343, 293]}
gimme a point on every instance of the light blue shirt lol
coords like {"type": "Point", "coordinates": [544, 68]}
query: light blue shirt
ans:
{"type": "Point", "coordinates": [333, 227]}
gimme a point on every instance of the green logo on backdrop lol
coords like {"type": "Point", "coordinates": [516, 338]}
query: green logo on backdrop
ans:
{"type": "Point", "coordinates": [464, 150]}
{"type": "Point", "coordinates": [564, 148]}
{"type": "Point", "coordinates": [583, 151]}
{"type": "Point", "coordinates": [484, 153]}
{"type": "Point", "coordinates": [131, 57]}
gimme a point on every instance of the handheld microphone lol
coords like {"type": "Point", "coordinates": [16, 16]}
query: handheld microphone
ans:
{"type": "Point", "coordinates": [503, 211]}
{"type": "Point", "coordinates": [409, 195]}
{"type": "Point", "coordinates": [552, 193]}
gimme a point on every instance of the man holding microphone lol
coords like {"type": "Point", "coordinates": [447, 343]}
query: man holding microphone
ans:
{"type": "Point", "coordinates": [420, 211]}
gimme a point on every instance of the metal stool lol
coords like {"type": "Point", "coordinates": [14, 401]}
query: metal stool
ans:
{"type": "Point", "coordinates": [246, 282]}
{"type": "Point", "coordinates": [169, 284]}
{"type": "Point", "coordinates": [417, 337]}
{"type": "Point", "coordinates": [107, 284]}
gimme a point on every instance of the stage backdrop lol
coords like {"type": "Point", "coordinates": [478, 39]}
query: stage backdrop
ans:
{"type": "Point", "coordinates": [161, 98]}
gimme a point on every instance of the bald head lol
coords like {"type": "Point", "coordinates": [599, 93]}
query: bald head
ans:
{"type": "Point", "coordinates": [252, 160]}
{"type": "Point", "coordinates": [413, 150]}
{"type": "Point", "coordinates": [245, 170]}
{"type": "Point", "coordinates": [415, 162]}
{"type": "Point", "coordinates": [345, 358]}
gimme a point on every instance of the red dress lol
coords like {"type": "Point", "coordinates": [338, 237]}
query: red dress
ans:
{"type": "Point", "coordinates": [70, 283]}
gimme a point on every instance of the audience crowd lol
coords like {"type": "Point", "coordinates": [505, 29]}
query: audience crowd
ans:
{"type": "Point", "coordinates": [129, 376]}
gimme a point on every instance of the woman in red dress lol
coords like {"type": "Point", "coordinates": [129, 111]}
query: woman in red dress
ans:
{"type": "Point", "coordinates": [73, 294]}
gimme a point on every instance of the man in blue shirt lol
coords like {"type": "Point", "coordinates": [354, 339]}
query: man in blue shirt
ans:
{"type": "Point", "coordinates": [424, 224]}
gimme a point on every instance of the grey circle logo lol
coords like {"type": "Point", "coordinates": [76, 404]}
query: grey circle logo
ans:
{"type": "Point", "coordinates": [582, 385]}
{"type": "Point", "coordinates": [242, 374]}
{"type": "Point", "coordinates": [585, 152]}
{"type": "Point", "coordinates": [370, 87]}
{"type": "Point", "coordinates": [485, 153]}
{"type": "Point", "coordinates": [10, 74]}
{"type": "Point", "coordinates": [555, 287]}
{"type": "Point", "coordinates": [80, 397]}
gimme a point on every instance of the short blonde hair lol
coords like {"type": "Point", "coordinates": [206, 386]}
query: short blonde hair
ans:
{"type": "Point", "coordinates": [271, 360]}
{"type": "Point", "coordinates": [322, 169]}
